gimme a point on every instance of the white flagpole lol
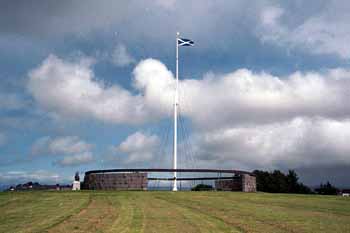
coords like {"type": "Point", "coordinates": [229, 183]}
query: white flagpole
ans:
{"type": "Point", "coordinates": [175, 111]}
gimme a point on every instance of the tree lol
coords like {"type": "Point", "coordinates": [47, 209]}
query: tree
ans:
{"type": "Point", "coordinates": [327, 189]}
{"type": "Point", "coordinates": [278, 182]}
{"type": "Point", "coordinates": [292, 181]}
{"type": "Point", "coordinates": [262, 180]}
{"type": "Point", "coordinates": [301, 188]}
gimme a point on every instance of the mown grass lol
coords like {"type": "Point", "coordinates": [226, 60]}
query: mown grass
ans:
{"type": "Point", "coordinates": [172, 212]}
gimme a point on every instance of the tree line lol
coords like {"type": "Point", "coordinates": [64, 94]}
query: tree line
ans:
{"type": "Point", "coordinates": [278, 182]}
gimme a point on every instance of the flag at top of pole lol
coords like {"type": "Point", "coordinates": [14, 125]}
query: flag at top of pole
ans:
{"type": "Point", "coordinates": [184, 42]}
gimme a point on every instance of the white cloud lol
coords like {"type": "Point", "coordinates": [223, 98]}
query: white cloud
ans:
{"type": "Point", "coordinates": [251, 98]}
{"type": "Point", "coordinates": [121, 57]}
{"type": "Point", "coordinates": [76, 159]}
{"type": "Point", "coordinates": [137, 147]}
{"type": "Point", "coordinates": [167, 4]}
{"type": "Point", "coordinates": [325, 32]}
{"type": "Point", "coordinates": [300, 142]}
{"type": "Point", "coordinates": [70, 89]}
{"type": "Point", "coordinates": [156, 84]}
{"type": "Point", "coordinates": [75, 151]}
{"type": "Point", "coordinates": [60, 145]}
{"type": "Point", "coordinates": [270, 15]}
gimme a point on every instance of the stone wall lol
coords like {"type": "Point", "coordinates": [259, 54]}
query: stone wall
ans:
{"type": "Point", "coordinates": [229, 185]}
{"type": "Point", "coordinates": [243, 183]}
{"type": "Point", "coordinates": [116, 181]}
{"type": "Point", "coordinates": [248, 183]}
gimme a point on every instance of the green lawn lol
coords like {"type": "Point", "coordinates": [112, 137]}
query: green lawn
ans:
{"type": "Point", "coordinates": [172, 212]}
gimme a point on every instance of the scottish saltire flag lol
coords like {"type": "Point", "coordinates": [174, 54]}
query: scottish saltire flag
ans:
{"type": "Point", "coordinates": [184, 42]}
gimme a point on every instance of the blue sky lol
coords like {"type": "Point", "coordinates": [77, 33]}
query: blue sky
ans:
{"type": "Point", "coordinates": [87, 86]}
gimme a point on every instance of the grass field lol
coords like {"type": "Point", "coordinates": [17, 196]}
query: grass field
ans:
{"type": "Point", "coordinates": [172, 212]}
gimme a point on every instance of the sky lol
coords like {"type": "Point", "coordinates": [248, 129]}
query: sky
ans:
{"type": "Point", "coordinates": [90, 85]}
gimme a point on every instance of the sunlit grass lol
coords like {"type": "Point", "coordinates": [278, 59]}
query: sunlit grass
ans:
{"type": "Point", "coordinates": [171, 212]}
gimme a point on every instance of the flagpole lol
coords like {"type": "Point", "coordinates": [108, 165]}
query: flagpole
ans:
{"type": "Point", "coordinates": [175, 112]}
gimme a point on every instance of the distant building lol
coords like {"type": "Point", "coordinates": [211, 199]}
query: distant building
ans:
{"type": "Point", "coordinates": [36, 186]}
{"type": "Point", "coordinates": [345, 192]}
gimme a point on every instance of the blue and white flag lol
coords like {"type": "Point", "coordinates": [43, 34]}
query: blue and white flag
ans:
{"type": "Point", "coordinates": [184, 42]}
